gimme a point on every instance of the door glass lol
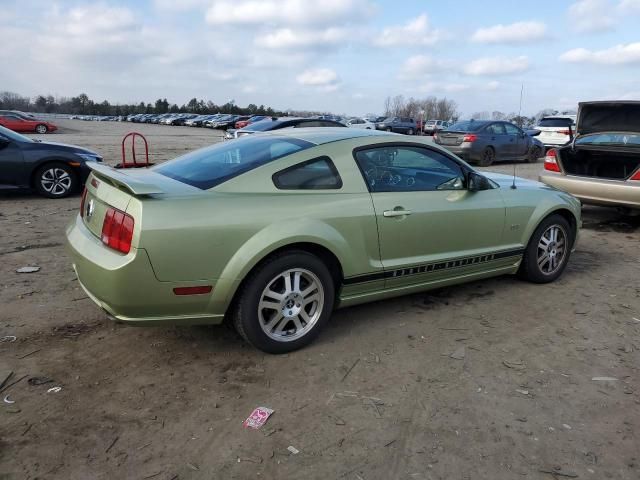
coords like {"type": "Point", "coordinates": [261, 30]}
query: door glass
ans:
{"type": "Point", "coordinates": [511, 129]}
{"type": "Point", "coordinates": [495, 129]}
{"type": "Point", "coordinates": [409, 169]}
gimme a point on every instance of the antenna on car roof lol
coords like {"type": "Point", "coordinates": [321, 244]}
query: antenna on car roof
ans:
{"type": "Point", "coordinates": [513, 185]}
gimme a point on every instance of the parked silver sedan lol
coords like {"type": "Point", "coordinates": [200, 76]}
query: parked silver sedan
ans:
{"type": "Point", "coordinates": [483, 142]}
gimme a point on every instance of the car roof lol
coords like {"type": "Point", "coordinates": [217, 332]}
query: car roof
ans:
{"type": "Point", "coordinates": [322, 135]}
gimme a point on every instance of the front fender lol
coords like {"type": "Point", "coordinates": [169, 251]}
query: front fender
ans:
{"type": "Point", "coordinates": [548, 206]}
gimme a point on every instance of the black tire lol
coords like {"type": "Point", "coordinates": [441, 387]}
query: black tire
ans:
{"type": "Point", "coordinates": [530, 268]}
{"type": "Point", "coordinates": [247, 317]}
{"type": "Point", "coordinates": [410, 131]}
{"type": "Point", "coordinates": [55, 180]}
{"type": "Point", "coordinates": [488, 157]}
{"type": "Point", "coordinates": [534, 154]}
{"type": "Point", "coordinates": [41, 128]}
{"type": "Point", "coordinates": [388, 129]}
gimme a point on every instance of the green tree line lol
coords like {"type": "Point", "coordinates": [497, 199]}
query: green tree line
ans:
{"type": "Point", "coordinates": [83, 105]}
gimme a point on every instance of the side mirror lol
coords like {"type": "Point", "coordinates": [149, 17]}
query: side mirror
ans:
{"type": "Point", "coordinates": [533, 132]}
{"type": "Point", "coordinates": [477, 182]}
{"type": "Point", "coordinates": [4, 142]}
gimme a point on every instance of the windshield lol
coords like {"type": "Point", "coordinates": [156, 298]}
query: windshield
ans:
{"type": "Point", "coordinates": [11, 135]}
{"type": "Point", "coordinates": [211, 166]}
{"type": "Point", "coordinates": [620, 139]}
{"type": "Point", "coordinates": [466, 126]}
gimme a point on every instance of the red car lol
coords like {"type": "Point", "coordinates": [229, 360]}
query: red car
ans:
{"type": "Point", "coordinates": [19, 123]}
{"type": "Point", "coordinates": [255, 118]}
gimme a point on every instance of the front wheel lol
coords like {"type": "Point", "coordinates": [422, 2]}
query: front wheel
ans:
{"type": "Point", "coordinates": [388, 129]}
{"type": "Point", "coordinates": [548, 251]}
{"type": "Point", "coordinates": [410, 131]}
{"type": "Point", "coordinates": [41, 128]}
{"type": "Point", "coordinates": [285, 303]}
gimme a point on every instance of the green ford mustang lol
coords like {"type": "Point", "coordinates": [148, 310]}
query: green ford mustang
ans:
{"type": "Point", "coordinates": [274, 231]}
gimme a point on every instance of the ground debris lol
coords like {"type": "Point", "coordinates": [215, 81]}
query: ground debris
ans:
{"type": "Point", "coordinates": [514, 364]}
{"type": "Point", "coordinates": [28, 269]}
{"type": "Point", "coordinates": [557, 471]}
{"type": "Point", "coordinates": [604, 379]}
{"type": "Point", "coordinates": [39, 380]}
{"type": "Point", "coordinates": [349, 371]}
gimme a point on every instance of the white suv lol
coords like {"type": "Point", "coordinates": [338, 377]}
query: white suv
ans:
{"type": "Point", "coordinates": [556, 130]}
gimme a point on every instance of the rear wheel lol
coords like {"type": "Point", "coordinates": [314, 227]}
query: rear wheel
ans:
{"type": "Point", "coordinates": [548, 251]}
{"type": "Point", "coordinates": [487, 158]}
{"type": "Point", "coordinates": [534, 154]}
{"type": "Point", "coordinates": [55, 180]}
{"type": "Point", "coordinates": [41, 128]}
{"type": "Point", "coordinates": [410, 131]}
{"type": "Point", "coordinates": [388, 129]}
{"type": "Point", "coordinates": [285, 303]}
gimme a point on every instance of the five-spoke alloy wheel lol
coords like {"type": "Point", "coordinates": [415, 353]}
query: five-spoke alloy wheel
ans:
{"type": "Point", "coordinates": [285, 302]}
{"type": "Point", "coordinates": [548, 251]}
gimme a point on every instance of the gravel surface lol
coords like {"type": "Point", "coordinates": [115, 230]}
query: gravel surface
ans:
{"type": "Point", "coordinates": [496, 379]}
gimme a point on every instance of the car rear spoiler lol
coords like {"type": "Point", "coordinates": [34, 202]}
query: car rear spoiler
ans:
{"type": "Point", "coordinates": [123, 180]}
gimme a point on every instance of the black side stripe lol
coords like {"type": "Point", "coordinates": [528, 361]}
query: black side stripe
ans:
{"type": "Point", "coordinates": [433, 267]}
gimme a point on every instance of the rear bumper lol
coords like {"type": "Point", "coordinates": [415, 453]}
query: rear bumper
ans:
{"type": "Point", "coordinates": [464, 151]}
{"type": "Point", "coordinates": [126, 288]}
{"type": "Point", "coordinates": [595, 191]}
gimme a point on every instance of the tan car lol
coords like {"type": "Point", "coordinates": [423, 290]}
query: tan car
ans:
{"type": "Point", "coordinates": [602, 164]}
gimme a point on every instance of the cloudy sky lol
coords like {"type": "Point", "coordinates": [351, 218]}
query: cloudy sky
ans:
{"type": "Point", "coordinates": [344, 56]}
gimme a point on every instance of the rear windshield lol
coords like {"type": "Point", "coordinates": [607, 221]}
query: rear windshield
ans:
{"type": "Point", "coordinates": [467, 126]}
{"type": "Point", "coordinates": [261, 125]}
{"type": "Point", "coordinates": [555, 122]}
{"type": "Point", "coordinates": [211, 166]}
{"type": "Point", "coordinates": [618, 139]}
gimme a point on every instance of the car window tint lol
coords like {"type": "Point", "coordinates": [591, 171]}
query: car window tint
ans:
{"type": "Point", "coordinates": [555, 122]}
{"type": "Point", "coordinates": [317, 174]}
{"type": "Point", "coordinates": [408, 168]}
{"type": "Point", "coordinates": [312, 123]}
{"type": "Point", "coordinates": [211, 166]}
{"type": "Point", "coordinates": [496, 129]}
{"type": "Point", "coordinates": [511, 129]}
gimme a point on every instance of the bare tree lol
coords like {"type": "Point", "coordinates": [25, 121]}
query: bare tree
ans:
{"type": "Point", "coordinates": [481, 116]}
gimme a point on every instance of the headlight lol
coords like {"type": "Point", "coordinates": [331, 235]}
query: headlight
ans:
{"type": "Point", "coordinates": [90, 157]}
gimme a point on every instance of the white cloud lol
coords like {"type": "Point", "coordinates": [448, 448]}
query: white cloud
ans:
{"type": "Point", "coordinates": [420, 65]}
{"type": "Point", "coordinates": [414, 32]}
{"type": "Point", "coordinates": [287, 12]}
{"type": "Point", "coordinates": [319, 77]}
{"type": "Point", "coordinates": [629, 6]}
{"type": "Point", "coordinates": [180, 5]}
{"type": "Point", "coordinates": [616, 55]}
{"type": "Point", "coordinates": [493, 85]}
{"type": "Point", "coordinates": [285, 38]}
{"type": "Point", "coordinates": [497, 66]}
{"type": "Point", "coordinates": [590, 16]}
{"type": "Point", "coordinates": [443, 87]}
{"type": "Point", "coordinates": [519, 32]}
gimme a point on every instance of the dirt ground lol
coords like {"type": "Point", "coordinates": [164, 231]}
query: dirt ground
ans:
{"type": "Point", "coordinates": [491, 380]}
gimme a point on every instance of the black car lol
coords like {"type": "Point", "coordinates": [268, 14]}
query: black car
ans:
{"type": "Point", "coordinates": [398, 125]}
{"type": "Point", "coordinates": [278, 123]}
{"type": "Point", "coordinates": [54, 170]}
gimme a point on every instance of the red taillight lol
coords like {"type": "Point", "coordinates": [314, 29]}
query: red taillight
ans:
{"type": "Point", "coordinates": [636, 176]}
{"type": "Point", "coordinates": [84, 197]}
{"type": "Point", "coordinates": [193, 290]}
{"type": "Point", "coordinates": [470, 138]}
{"type": "Point", "coordinates": [550, 161]}
{"type": "Point", "coordinates": [564, 132]}
{"type": "Point", "coordinates": [117, 230]}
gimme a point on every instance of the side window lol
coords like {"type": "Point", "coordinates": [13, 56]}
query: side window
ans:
{"type": "Point", "coordinates": [511, 129]}
{"type": "Point", "coordinates": [495, 129]}
{"type": "Point", "coordinates": [316, 174]}
{"type": "Point", "coordinates": [408, 169]}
